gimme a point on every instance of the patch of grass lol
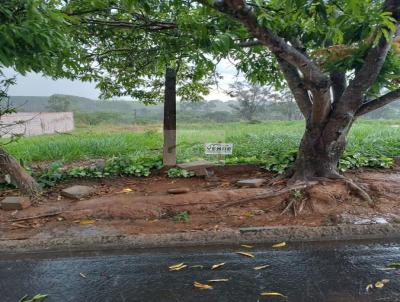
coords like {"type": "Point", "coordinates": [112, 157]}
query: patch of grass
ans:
{"type": "Point", "coordinates": [182, 217]}
{"type": "Point", "coordinates": [273, 143]}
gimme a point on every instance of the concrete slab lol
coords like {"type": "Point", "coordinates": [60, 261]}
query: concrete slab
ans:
{"type": "Point", "coordinates": [77, 192]}
{"type": "Point", "coordinates": [252, 182]}
{"type": "Point", "coordinates": [200, 167]}
{"type": "Point", "coordinates": [13, 203]}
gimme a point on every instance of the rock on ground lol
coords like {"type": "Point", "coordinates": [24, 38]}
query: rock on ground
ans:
{"type": "Point", "coordinates": [252, 183]}
{"type": "Point", "coordinates": [13, 203]}
{"type": "Point", "coordinates": [77, 192]}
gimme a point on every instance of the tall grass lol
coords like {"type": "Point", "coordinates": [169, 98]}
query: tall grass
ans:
{"type": "Point", "coordinates": [372, 137]}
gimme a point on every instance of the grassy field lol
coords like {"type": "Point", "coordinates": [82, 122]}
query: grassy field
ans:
{"type": "Point", "coordinates": [257, 141]}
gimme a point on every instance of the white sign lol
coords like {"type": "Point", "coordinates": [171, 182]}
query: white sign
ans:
{"type": "Point", "coordinates": [218, 148]}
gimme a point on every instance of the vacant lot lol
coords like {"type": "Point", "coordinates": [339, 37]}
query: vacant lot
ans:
{"type": "Point", "coordinates": [252, 142]}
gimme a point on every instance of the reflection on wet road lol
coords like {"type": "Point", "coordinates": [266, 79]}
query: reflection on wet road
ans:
{"type": "Point", "coordinates": [331, 272]}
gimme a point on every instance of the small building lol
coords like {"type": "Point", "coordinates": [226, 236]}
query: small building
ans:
{"type": "Point", "coordinates": [36, 123]}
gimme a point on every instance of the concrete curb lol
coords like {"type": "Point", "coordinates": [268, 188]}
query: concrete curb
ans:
{"type": "Point", "coordinates": [202, 238]}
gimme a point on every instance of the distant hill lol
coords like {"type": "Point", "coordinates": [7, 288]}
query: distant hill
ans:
{"type": "Point", "coordinates": [77, 104]}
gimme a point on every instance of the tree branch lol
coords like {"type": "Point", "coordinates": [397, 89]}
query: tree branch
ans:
{"type": "Point", "coordinates": [339, 84]}
{"type": "Point", "coordinates": [364, 78]}
{"type": "Point", "coordinates": [379, 102]}
{"type": "Point", "coordinates": [240, 11]}
{"type": "Point", "coordinates": [295, 84]}
{"type": "Point", "coordinates": [150, 25]}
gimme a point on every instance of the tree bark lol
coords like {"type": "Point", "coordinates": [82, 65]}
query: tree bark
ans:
{"type": "Point", "coordinates": [169, 149]}
{"type": "Point", "coordinates": [18, 175]}
{"type": "Point", "coordinates": [318, 155]}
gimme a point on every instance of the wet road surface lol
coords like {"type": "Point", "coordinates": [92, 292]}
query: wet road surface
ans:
{"type": "Point", "coordinates": [332, 272]}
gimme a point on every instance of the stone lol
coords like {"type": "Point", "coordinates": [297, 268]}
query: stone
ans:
{"type": "Point", "coordinates": [77, 192]}
{"type": "Point", "coordinates": [200, 167]}
{"type": "Point", "coordinates": [252, 182]}
{"type": "Point", "coordinates": [178, 190]}
{"type": "Point", "coordinates": [13, 203]}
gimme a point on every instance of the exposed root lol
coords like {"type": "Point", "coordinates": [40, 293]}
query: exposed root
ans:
{"type": "Point", "coordinates": [358, 190]}
{"type": "Point", "coordinates": [296, 203]}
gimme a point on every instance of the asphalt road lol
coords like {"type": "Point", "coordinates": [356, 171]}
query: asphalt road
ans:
{"type": "Point", "coordinates": [310, 272]}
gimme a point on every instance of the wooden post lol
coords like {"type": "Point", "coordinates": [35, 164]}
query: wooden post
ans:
{"type": "Point", "coordinates": [169, 149]}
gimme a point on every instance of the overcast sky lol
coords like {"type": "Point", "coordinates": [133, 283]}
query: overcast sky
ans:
{"type": "Point", "coordinates": [37, 85]}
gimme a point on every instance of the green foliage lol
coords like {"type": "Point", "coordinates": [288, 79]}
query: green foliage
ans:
{"type": "Point", "coordinates": [272, 144]}
{"type": "Point", "coordinates": [280, 162]}
{"type": "Point", "coordinates": [131, 166]}
{"type": "Point", "coordinates": [179, 173]}
{"type": "Point", "coordinates": [36, 298]}
{"type": "Point", "coordinates": [50, 176]}
{"type": "Point", "coordinates": [182, 217]}
{"type": "Point", "coordinates": [116, 166]}
{"type": "Point", "coordinates": [34, 36]}
{"type": "Point", "coordinates": [356, 160]}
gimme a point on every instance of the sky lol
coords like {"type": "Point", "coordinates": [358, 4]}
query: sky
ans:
{"type": "Point", "coordinates": [34, 84]}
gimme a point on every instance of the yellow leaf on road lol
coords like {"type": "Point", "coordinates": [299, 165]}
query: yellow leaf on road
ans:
{"type": "Point", "coordinates": [87, 221]}
{"type": "Point", "coordinates": [82, 275]}
{"type": "Point", "coordinates": [201, 285]}
{"type": "Point", "coordinates": [281, 244]}
{"type": "Point", "coordinates": [218, 280]}
{"type": "Point", "coordinates": [261, 267]}
{"type": "Point", "coordinates": [246, 254]}
{"type": "Point", "coordinates": [369, 286]}
{"type": "Point", "coordinates": [272, 294]}
{"type": "Point", "coordinates": [215, 266]}
{"type": "Point", "coordinates": [176, 265]}
{"type": "Point", "coordinates": [247, 246]}
{"type": "Point", "coordinates": [126, 190]}
{"type": "Point", "coordinates": [379, 284]}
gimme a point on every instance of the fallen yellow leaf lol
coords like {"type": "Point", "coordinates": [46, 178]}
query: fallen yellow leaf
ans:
{"type": "Point", "coordinates": [281, 244]}
{"type": "Point", "coordinates": [215, 266]}
{"type": "Point", "coordinates": [127, 190]}
{"type": "Point", "coordinates": [87, 221]}
{"type": "Point", "coordinates": [218, 280]}
{"type": "Point", "coordinates": [379, 284]}
{"type": "Point", "coordinates": [177, 267]}
{"type": "Point", "coordinates": [246, 254]}
{"type": "Point", "coordinates": [201, 285]}
{"type": "Point", "coordinates": [272, 294]}
{"type": "Point", "coordinates": [369, 286]}
{"type": "Point", "coordinates": [261, 267]}
{"type": "Point", "coordinates": [82, 275]}
{"type": "Point", "coordinates": [247, 246]}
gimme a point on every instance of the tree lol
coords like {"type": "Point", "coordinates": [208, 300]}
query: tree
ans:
{"type": "Point", "coordinates": [32, 39]}
{"type": "Point", "coordinates": [59, 103]}
{"type": "Point", "coordinates": [251, 98]}
{"type": "Point", "coordinates": [336, 57]}
{"type": "Point", "coordinates": [133, 48]}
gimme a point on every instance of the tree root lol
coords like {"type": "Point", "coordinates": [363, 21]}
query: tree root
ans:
{"type": "Point", "coordinates": [358, 190]}
{"type": "Point", "coordinates": [298, 200]}
{"type": "Point", "coordinates": [296, 203]}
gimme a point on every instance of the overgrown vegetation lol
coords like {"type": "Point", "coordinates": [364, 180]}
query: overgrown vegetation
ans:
{"type": "Point", "coordinates": [179, 173]}
{"type": "Point", "coordinates": [115, 166]}
{"type": "Point", "coordinates": [371, 144]}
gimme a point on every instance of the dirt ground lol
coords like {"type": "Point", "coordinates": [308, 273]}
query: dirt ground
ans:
{"type": "Point", "coordinates": [213, 204]}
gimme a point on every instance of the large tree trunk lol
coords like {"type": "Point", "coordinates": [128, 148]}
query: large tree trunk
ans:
{"type": "Point", "coordinates": [169, 149]}
{"type": "Point", "coordinates": [320, 150]}
{"type": "Point", "coordinates": [18, 175]}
